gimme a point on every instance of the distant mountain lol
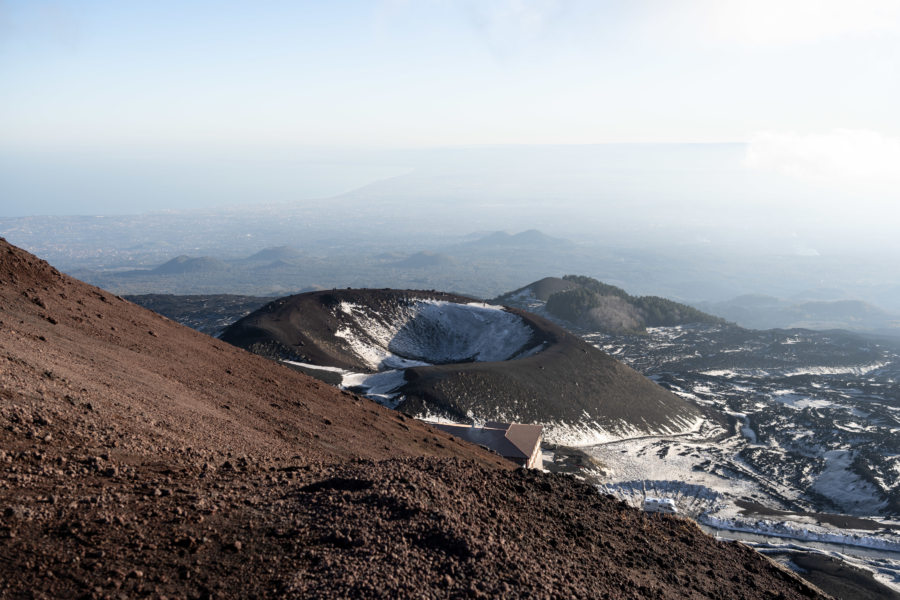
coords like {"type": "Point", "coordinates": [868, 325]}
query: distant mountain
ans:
{"type": "Point", "coordinates": [279, 265]}
{"type": "Point", "coordinates": [278, 253]}
{"type": "Point", "coordinates": [189, 264]}
{"type": "Point", "coordinates": [422, 260]}
{"type": "Point", "coordinates": [541, 289]}
{"type": "Point", "coordinates": [768, 312]}
{"type": "Point", "coordinates": [826, 294]}
{"type": "Point", "coordinates": [532, 239]}
{"type": "Point", "coordinates": [586, 302]}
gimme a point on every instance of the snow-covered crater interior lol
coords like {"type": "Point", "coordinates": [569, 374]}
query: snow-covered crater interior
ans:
{"type": "Point", "coordinates": [433, 332]}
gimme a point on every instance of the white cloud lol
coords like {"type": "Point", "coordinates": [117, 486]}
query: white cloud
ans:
{"type": "Point", "coordinates": [787, 21]}
{"type": "Point", "coordinates": [842, 155]}
{"type": "Point", "coordinates": [779, 22]}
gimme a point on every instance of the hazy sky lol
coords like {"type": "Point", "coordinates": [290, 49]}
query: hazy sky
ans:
{"type": "Point", "coordinates": [91, 86]}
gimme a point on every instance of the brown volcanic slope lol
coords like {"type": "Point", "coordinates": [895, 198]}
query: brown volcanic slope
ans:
{"type": "Point", "coordinates": [152, 382]}
{"type": "Point", "coordinates": [567, 382]}
{"type": "Point", "coordinates": [140, 458]}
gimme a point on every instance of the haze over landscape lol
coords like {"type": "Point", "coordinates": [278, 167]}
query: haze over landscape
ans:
{"type": "Point", "coordinates": [688, 212]}
{"type": "Point", "coordinates": [685, 133]}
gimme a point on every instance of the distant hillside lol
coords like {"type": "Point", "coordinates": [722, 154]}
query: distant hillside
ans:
{"type": "Point", "coordinates": [279, 253]}
{"type": "Point", "coordinates": [422, 260]}
{"type": "Point", "coordinates": [191, 264]}
{"type": "Point", "coordinates": [542, 289]}
{"type": "Point", "coordinates": [482, 265]}
{"type": "Point", "coordinates": [589, 303]}
{"type": "Point", "coordinates": [531, 238]}
{"type": "Point", "coordinates": [278, 265]}
{"type": "Point", "coordinates": [768, 312]}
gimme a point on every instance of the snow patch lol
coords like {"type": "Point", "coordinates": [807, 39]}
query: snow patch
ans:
{"type": "Point", "coordinates": [426, 332]}
{"type": "Point", "coordinates": [591, 433]}
{"type": "Point", "coordinates": [381, 386]}
{"type": "Point", "coordinates": [805, 532]}
{"type": "Point", "coordinates": [850, 370]}
{"type": "Point", "coordinates": [745, 428]}
{"type": "Point", "coordinates": [315, 367]}
{"type": "Point", "coordinates": [795, 372]}
{"type": "Point", "coordinates": [799, 401]}
{"type": "Point", "coordinates": [844, 487]}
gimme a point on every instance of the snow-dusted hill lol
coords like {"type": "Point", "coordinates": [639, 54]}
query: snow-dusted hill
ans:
{"type": "Point", "coordinates": [449, 357]}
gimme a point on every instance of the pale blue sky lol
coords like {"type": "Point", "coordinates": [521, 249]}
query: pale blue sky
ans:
{"type": "Point", "coordinates": [86, 79]}
{"type": "Point", "coordinates": [432, 72]}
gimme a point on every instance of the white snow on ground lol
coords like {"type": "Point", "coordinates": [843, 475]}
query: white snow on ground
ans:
{"type": "Point", "coordinates": [581, 434]}
{"type": "Point", "coordinates": [692, 469]}
{"type": "Point", "coordinates": [857, 370]}
{"type": "Point", "coordinates": [691, 499]}
{"type": "Point", "coordinates": [812, 370]}
{"type": "Point", "coordinates": [446, 332]}
{"type": "Point", "coordinates": [745, 428]}
{"type": "Point", "coordinates": [373, 355]}
{"type": "Point", "coordinates": [316, 367]}
{"type": "Point", "coordinates": [434, 332]}
{"type": "Point", "coordinates": [677, 468]}
{"type": "Point", "coordinates": [747, 431]}
{"type": "Point", "coordinates": [845, 488]}
{"type": "Point", "coordinates": [433, 418]}
{"type": "Point", "coordinates": [591, 433]}
{"type": "Point", "coordinates": [805, 529]}
{"type": "Point", "coordinates": [666, 459]}
{"type": "Point", "coordinates": [729, 373]}
{"type": "Point", "coordinates": [852, 427]}
{"type": "Point", "coordinates": [798, 401]}
{"type": "Point", "coordinates": [381, 386]}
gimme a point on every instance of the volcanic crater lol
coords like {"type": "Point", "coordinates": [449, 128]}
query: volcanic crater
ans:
{"type": "Point", "coordinates": [419, 332]}
{"type": "Point", "coordinates": [438, 354]}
